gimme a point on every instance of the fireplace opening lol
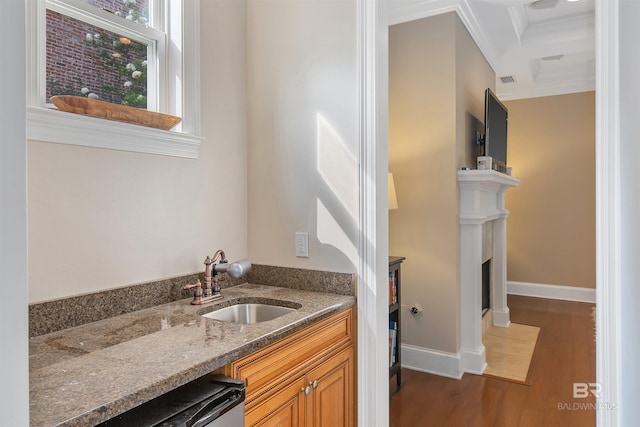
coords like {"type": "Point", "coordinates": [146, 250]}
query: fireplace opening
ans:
{"type": "Point", "coordinates": [486, 286]}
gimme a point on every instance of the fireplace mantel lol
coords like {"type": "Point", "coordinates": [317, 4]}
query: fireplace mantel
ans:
{"type": "Point", "coordinates": [481, 201]}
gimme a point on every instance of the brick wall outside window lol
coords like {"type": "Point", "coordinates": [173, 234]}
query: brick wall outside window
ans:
{"type": "Point", "coordinates": [71, 63]}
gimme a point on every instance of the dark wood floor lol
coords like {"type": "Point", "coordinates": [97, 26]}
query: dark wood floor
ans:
{"type": "Point", "coordinates": [565, 354]}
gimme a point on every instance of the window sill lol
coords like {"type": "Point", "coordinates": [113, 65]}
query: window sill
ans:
{"type": "Point", "coordinates": [49, 125]}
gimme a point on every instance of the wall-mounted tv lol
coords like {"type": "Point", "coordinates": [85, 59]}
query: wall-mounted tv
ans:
{"type": "Point", "coordinates": [495, 130]}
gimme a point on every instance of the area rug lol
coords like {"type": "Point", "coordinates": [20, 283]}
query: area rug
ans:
{"type": "Point", "coordinates": [509, 351]}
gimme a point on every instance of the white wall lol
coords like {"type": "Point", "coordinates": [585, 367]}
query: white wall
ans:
{"type": "Point", "coordinates": [303, 122]}
{"type": "Point", "coordinates": [100, 219]}
{"type": "Point", "coordinates": [630, 206]}
{"type": "Point", "coordinates": [14, 355]}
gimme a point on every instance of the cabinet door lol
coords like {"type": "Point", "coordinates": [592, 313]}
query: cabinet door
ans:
{"type": "Point", "coordinates": [286, 408]}
{"type": "Point", "coordinates": [331, 402]}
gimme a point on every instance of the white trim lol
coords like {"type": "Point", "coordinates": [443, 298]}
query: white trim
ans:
{"type": "Point", "coordinates": [540, 90]}
{"type": "Point", "coordinates": [373, 243]}
{"type": "Point", "coordinates": [608, 213]}
{"type": "Point", "coordinates": [190, 90]}
{"type": "Point", "coordinates": [502, 317]}
{"type": "Point", "coordinates": [432, 361]}
{"type": "Point", "coordinates": [428, 8]}
{"type": "Point", "coordinates": [481, 201]}
{"type": "Point", "coordinates": [541, 290]}
{"type": "Point", "coordinates": [477, 32]}
{"type": "Point", "coordinates": [35, 55]}
{"type": "Point", "coordinates": [474, 361]}
{"type": "Point", "coordinates": [44, 124]}
{"type": "Point", "coordinates": [420, 10]}
{"type": "Point", "coordinates": [83, 11]}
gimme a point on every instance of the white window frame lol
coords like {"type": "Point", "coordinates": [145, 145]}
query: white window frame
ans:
{"type": "Point", "coordinates": [178, 86]}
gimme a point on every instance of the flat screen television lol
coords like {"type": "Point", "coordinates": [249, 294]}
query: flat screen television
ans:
{"type": "Point", "coordinates": [495, 130]}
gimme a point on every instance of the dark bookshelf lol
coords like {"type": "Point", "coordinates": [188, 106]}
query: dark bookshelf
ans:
{"type": "Point", "coordinates": [394, 317]}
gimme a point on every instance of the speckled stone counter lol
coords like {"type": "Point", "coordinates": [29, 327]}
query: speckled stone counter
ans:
{"type": "Point", "coordinates": [88, 374]}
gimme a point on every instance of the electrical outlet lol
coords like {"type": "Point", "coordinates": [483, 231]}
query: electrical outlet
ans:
{"type": "Point", "coordinates": [302, 244]}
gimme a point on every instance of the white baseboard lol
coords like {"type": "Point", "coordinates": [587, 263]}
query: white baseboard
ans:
{"type": "Point", "coordinates": [451, 365]}
{"type": "Point", "coordinates": [474, 361]}
{"type": "Point", "coordinates": [539, 290]}
{"type": "Point", "coordinates": [432, 361]}
{"type": "Point", "coordinates": [502, 318]}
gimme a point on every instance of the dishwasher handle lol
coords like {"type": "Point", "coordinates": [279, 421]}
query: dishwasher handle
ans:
{"type": "Point", "coordinates": [216, 407]}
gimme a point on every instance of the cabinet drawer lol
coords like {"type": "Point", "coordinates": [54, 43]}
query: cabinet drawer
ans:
{"type": "Point", "coordinates": [292, 354]}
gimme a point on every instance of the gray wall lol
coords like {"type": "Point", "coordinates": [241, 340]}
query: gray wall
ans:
{"type": "Point", "coordinates": [14, 353]}
{"type": "Point", "coordinates": [437, 78]}
{"type": "Point", "coordinates": [630, 198]}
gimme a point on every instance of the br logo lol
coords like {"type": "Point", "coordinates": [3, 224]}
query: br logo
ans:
{"type": "Point", "coordinates": [582, 390]}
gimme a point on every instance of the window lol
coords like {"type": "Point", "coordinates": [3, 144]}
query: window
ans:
{"type": "Point", "coordinates": [116, 51]}
{"type": "Point", "coordinates": [86, 60]}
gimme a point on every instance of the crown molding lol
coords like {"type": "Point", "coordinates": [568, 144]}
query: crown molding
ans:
{"type": "Point", "coordinates": [401, 12]}
{"type": "Point", "coordinates": [429, 8]}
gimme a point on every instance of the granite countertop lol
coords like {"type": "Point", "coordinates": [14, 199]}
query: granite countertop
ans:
{"type": "Point", "coordinates": [88, 374]}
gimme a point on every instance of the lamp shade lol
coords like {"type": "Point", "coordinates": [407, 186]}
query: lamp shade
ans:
{"type": "Point", "coordinates": [393, 201]}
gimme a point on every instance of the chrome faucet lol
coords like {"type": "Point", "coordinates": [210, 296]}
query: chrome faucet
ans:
{"type": "Point", "coordinates": [212, 279]}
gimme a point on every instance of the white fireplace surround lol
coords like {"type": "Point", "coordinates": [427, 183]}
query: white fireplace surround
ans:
{"type": "Point", "coordinates": [483, 225]}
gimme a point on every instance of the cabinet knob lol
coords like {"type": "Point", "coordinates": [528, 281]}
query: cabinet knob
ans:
{"type": "Point", "coordinates": [314, 384]}
{"type": "Point", "coordinates": [305, 390]}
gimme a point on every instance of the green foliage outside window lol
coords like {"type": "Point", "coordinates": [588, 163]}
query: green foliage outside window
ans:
{"type": "Point", "coordinates": [121, 56]}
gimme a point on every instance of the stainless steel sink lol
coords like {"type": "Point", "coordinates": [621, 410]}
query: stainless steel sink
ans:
{"type": "Point", "coordinates": [249, 313]}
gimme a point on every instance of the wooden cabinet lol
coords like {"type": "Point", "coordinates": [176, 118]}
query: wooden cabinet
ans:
{"type": "Point", "coordinates": [394, 318]}
{"type": "Point", "coordinates": [330, 401]}
{"type": "Point", "coordinates": [285, 408]}
{"type": "Point", "coordinates": [306, 379]}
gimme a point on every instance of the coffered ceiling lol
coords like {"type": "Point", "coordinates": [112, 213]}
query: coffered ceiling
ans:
{"type": "Point", "coordinates": [536, 48]}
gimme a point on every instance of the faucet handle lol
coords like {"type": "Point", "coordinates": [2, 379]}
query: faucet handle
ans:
{"type": "Point", "coordinates": [197, 294]}
{"type": "Point", "coordinates": [195, 285]}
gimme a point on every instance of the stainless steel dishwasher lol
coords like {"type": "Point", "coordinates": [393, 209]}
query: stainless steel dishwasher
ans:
{"type": "Point", "coordinates": [210, 401]}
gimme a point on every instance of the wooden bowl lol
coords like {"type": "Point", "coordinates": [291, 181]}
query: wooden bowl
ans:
{"type": "Point", "coordinates": [107, 110]}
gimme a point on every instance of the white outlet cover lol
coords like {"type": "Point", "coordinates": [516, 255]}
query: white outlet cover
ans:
{"type": "Point", "coordinates": [302, 244]}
